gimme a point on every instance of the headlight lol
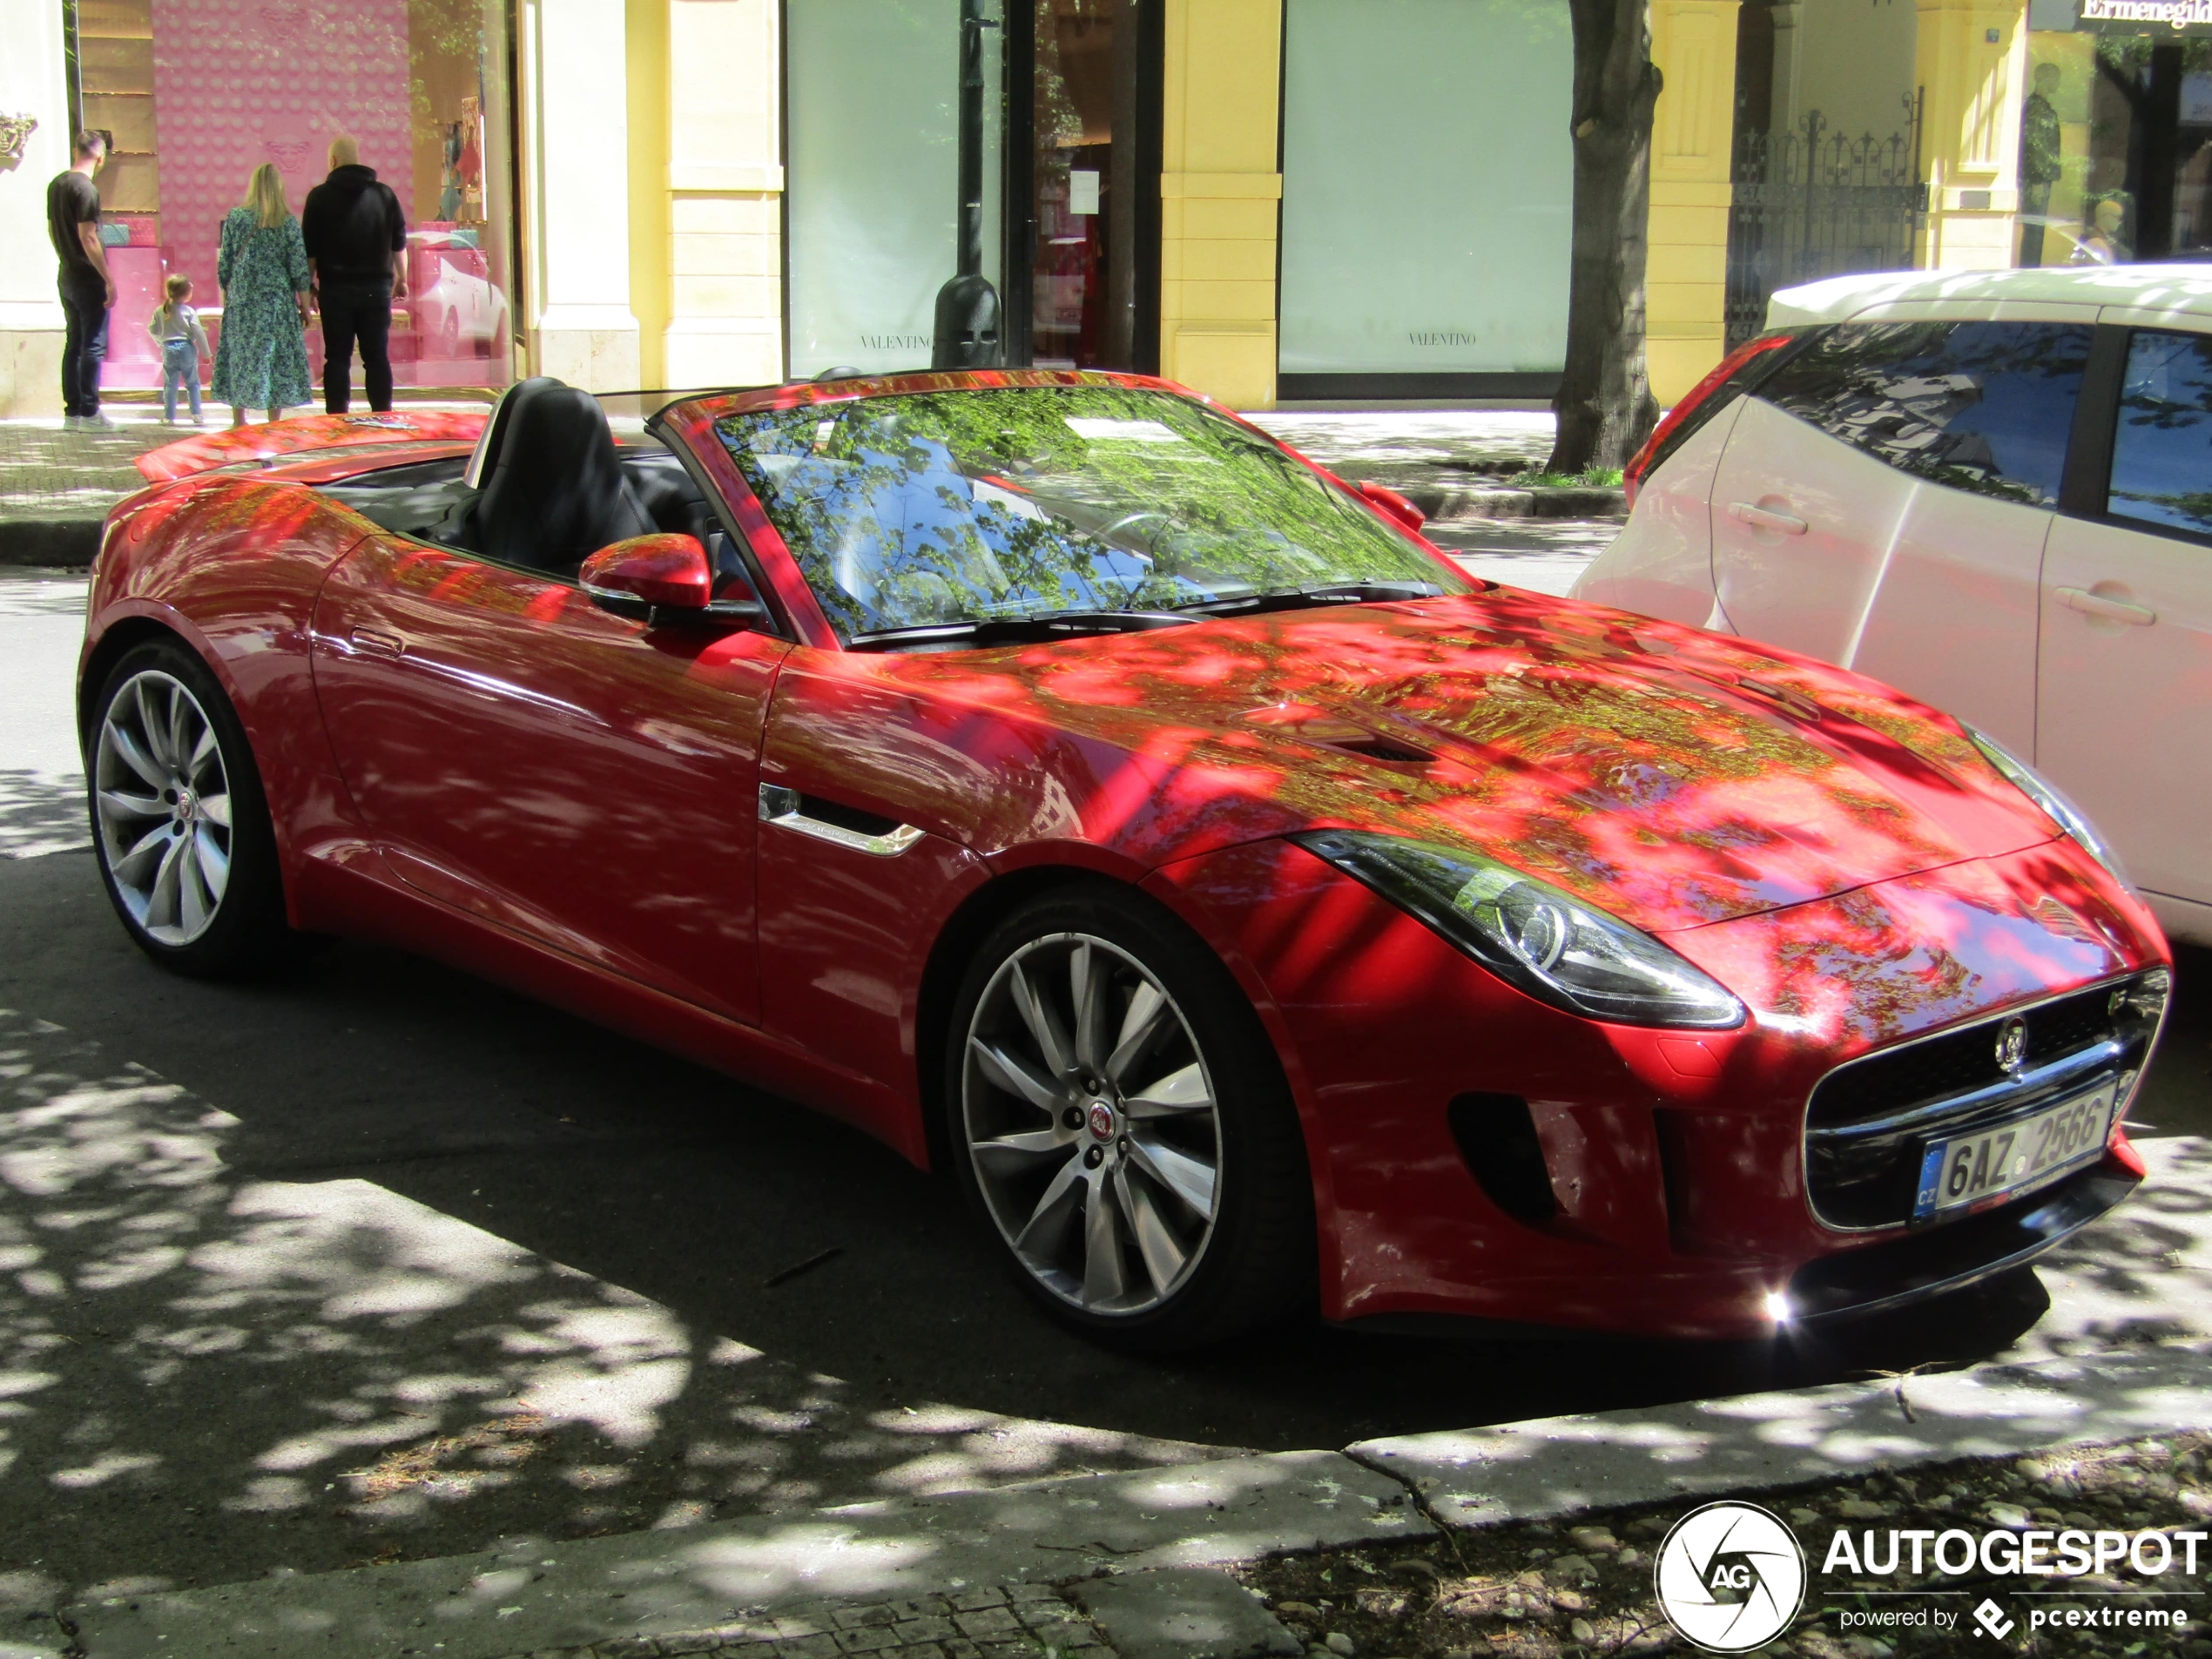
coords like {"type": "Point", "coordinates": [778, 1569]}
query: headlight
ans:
{"type": "Point", "coordinates": [1532, 935]}
{"type": "Point", "coordinates": [2055, 806]}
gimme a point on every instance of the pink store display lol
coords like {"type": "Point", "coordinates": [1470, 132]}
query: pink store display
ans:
{"type": "Point", "coordinates": [237, 83]}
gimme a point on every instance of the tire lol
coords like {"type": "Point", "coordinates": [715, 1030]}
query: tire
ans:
{"type": "Point", "coordinates": [1151, 1188]}
{"type": "Point", "coordinates": [180, 824]}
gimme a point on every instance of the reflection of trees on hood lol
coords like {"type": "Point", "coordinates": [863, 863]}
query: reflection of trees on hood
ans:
{"type": "Point", "coordinates": [962, 506]}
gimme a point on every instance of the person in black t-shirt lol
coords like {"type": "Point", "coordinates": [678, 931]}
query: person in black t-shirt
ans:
{"type": "Point", "coordinates": [356, 240]}
{"type": "Point", "coordinates": [87, 289]}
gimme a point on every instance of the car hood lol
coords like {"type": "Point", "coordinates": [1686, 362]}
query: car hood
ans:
{"type": "Point", "coordinates": [1674, 777]}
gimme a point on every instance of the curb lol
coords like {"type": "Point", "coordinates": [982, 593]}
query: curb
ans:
{"type": "Point", "coordinates": [699, 1590]}
{"type": "Point", "coordinates": [60, 543]}
{"type": "Point", "coordinates": [1450, 504]}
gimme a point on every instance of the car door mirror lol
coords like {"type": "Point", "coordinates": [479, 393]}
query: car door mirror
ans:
{"type": "Point", "coordinates": [1391, 504]}
{"type": "Point", "coordinates": [661, 580]}
{"type": "Point", "coordinates": [664, 572]}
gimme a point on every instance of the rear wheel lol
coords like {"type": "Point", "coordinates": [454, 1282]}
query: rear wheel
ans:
{"type": "Point", "coordinates": [178, 820]}
{"type": "Point", "coordinates": [1120, 1118]}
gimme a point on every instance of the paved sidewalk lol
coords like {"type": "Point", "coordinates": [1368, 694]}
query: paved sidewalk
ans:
{"type": "Point", "coordinates": [57, 485]}
{"type": "Point", "coordinates": [1001, 1568]}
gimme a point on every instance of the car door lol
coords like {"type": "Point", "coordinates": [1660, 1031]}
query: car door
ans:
{"type": "Point", "coordinates": [1884, 500]}
{"type": "Point", "coordinates": [577, 777]}
{"type": "Point", "coordinates": [2124, 692]}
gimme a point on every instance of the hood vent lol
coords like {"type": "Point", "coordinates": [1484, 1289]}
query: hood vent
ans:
{"type": "Point", "coordinates": [1379, 748]}
{"type": "Point", "coordinates": [1329, 731]}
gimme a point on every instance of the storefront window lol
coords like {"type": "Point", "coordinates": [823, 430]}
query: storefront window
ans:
{"type": "Point", "coordinates": [1092, 109]}
{"type": "Point", "coordinates": [196, 94]}
{"type": "Point", "coordinates": [1426, 182]}
{"type": "Point", "coordinates": [2115, 143]}
{"type": "Point", "coordinates": [874, 175]}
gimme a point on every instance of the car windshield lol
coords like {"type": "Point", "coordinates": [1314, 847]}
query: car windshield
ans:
{"type": "Point", "coordinates": [920, 511]}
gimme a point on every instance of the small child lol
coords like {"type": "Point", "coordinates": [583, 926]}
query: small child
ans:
{"type": "Point", "coordinates": [184, 342]}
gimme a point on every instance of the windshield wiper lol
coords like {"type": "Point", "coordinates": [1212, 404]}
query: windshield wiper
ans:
{"type": "Point", "coordinates": [1017, 630]}
{"type": "Point", "coordinates": [1326, 593]}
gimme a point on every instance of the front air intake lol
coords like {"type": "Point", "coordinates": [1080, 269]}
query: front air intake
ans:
{"type": "Point", "coordinates": [1497, 1137]}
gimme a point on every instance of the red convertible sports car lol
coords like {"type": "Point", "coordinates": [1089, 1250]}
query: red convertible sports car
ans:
{"type": "Point", "coordinates": [1061, 780]}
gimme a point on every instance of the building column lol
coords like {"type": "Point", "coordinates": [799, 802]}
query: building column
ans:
{"type": "Point", "coordinates": [1221, 196]}
{"type": "Point", "coordinates": [725, 182]}
{"type": "Point", "coordinates": [1787, 106]}
{"type": "Point", "coordinates": [1971, 67]}
{"type": "Point", "coordinates": [31, 84]}
{"type": "Point", "coordinates": [1692, 138]}
{"type": "Point", "coordinates": [577, 168]}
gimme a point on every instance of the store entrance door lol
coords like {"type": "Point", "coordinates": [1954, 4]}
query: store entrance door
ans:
{"type": "Point", "coordinates": [1082, 258]}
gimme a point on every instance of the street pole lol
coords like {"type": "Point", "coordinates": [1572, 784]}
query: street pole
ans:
{"type": "Point", "coordinates": [967, 334]}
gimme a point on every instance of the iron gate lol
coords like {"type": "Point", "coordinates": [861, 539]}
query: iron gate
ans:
{"type": "Point", "coordinates": [1809, 204]}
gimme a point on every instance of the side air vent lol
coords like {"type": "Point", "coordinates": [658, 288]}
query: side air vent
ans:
{"type": "Point", "coordinates": [1497, 1137]}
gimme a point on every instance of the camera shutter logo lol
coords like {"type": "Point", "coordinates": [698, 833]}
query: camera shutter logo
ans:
{"type": "Point", "coordinates": [1729, 1577]}
{"type": "Point", "coordinates": [1992, 1619]}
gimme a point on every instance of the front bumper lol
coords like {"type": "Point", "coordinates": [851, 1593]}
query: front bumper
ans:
{"type": "Point", "coordinates": [1676, 1160]}
{"type": "Point", "coordinates": [1918, 1266]}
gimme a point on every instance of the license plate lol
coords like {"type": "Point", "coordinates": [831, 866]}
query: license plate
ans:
{"type": "Point", "coordinates": [1967, 1171]}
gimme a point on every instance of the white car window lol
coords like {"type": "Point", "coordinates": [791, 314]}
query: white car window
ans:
{"type": "Point", "coordinates": [1982, 407]}
{"type": "Point", "coordinates": [2162, 453]}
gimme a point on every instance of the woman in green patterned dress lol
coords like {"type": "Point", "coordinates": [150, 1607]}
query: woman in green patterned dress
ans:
{"type": "Point", "coordinates": [261, 359]}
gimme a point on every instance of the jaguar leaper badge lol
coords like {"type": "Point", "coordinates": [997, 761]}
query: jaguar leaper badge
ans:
{"type": "Point", "coordinates": [2012, 1044]}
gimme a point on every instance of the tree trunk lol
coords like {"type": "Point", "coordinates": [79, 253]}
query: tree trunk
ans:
{"type": "Point", "coordinates": [1604, 405]}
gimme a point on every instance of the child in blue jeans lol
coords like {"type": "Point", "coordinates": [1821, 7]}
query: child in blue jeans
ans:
{"type": "Point", "coordinates": [184, 343]}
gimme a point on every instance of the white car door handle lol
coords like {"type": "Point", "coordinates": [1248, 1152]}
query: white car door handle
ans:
{"type": "Point", "coordinates": [1765, 518]}
{"type": "Point", "coordinates": [2095, 604]}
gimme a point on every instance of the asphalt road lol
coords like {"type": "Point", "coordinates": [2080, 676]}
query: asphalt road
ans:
{"type": "Point", "coordinates": [378, 1261]}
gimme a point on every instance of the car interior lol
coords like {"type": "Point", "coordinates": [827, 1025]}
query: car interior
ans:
{"type": "Point", "coordinates": [547, 487]}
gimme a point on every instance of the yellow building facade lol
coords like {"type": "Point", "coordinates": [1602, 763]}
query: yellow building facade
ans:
{"type": "Point", "coordinates": [693, 192]}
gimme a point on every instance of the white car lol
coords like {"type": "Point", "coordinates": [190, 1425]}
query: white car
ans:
{"type": "Point", "coordinates": [1991, 490]}
{"type": "Point", "coordinates": [457, 309]}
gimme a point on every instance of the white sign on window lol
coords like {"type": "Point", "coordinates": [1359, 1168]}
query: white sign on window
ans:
{"type": "Point", "coordinates": [1456, 104]}
{"type": "Point", "coordinates": [1082, 194]}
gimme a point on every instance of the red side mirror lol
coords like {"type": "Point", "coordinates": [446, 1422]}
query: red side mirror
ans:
{"type": "Point", "coordinates": [664, 572]}
{"type": "Point", "coordinates": [1391, 504]}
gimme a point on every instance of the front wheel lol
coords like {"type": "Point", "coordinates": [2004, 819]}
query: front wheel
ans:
{"type": "Point", "coordinates": [1120, 1118]}
{"type": "Point", "coordinates": [178, 820]}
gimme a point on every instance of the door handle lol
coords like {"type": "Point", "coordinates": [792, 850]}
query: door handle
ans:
{"type": "Point", "coordinates": [371, 642]}
{"type": "Point", "coordinates": [2095, 604]}
{"type": "Point", "coordinates": [1765, 518]}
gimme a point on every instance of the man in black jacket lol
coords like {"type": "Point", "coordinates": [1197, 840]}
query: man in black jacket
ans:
{"type": "Point", "coordinates": [356, 240]}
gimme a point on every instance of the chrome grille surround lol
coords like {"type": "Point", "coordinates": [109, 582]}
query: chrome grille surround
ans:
{"type": "Point", "coordinates": [1867, 1120]}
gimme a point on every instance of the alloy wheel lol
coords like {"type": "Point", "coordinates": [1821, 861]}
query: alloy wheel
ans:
{"type": "Point", "coordinates": [162, 798]}
{"type": "Point", "coordinates": [1092, 1124]}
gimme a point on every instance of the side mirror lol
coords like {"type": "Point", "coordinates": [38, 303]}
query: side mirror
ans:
{"type": "Point", "coordinates": [1391, 504]}
{"type": "Point", "coordinates": [661, 581]}
{"type": "Point", "coordinates": [658, 572]}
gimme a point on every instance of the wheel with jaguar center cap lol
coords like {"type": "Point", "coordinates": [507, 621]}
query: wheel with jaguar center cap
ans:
{"type": "Point", "coordinates": [1118, 1117]}
{"type": "Point", "coordinates": [177, 817]}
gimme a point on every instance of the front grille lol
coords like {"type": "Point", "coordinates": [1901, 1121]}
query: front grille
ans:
{"type": "Point", "coordinates": [1868, 1122]}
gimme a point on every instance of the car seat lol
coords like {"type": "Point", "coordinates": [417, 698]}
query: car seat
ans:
{"type": "Point", "coordinates": [557, 492]}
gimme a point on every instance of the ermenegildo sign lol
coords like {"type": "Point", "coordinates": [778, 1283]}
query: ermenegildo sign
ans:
{"type": "Point", "coordinates": [1731, 1577]}
{"type": "Point", "coordinates": [2143, 16]}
